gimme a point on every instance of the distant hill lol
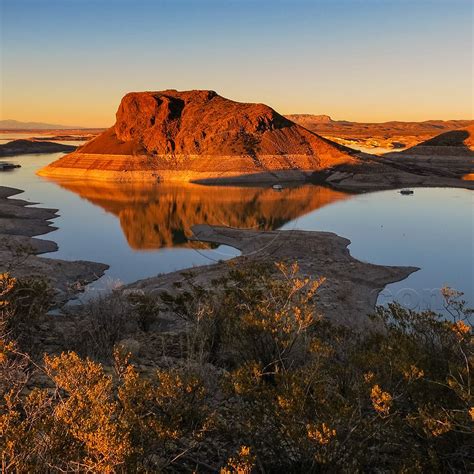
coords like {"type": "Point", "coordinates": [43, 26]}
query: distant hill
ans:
{"type": "Point", "coordinates": [323, 124]}
{"type": "Point", "coordinates": [309, 120]}
{"type": "Point", "coordinates": [17, 125]}
{"type": "Point", "coordinates": [453, 143]}
{"type": "Point", "coordinates": [450, 153]}
{"type": "Point", "coordinates": [376, 136]}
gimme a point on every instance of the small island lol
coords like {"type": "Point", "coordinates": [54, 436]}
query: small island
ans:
{"type": "Point", "coordinates": [27, 146]}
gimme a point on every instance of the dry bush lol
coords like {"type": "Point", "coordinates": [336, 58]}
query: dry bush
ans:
{"type": "Point", "coordinates": [103, 322]}
{"type": "Point", "coordinates": [73, 428]}
{"type": "Point", "coordinates": [99, 325]}
{"type": "Point", "coordinates": [145, 309]}
{"type": "Point", "coordinates": [251, 315]}
{"type": "Point", "coordinates": [23, 302]}
{"type": "Point", "coordinates": [315, 397]}
{"type": "Point", "coordinates": [305, 394]}
{"type": "Point", "coordinates": [89, 422]}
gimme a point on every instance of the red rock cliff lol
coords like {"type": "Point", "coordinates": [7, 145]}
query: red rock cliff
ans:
{"type": "Point", "coordinates": [182, 132]}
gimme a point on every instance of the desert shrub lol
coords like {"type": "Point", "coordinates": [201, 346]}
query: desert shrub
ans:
{"type": "Point", "coordinates": [166, 415]}
{"type": "Point", "coordinates": [251, 315]}
{"type": "Point", "coordinates": [99, 325]}
{"type": "Point", "coordinates": [86, 422]}
{"type": "Point", "coordinates": [362, 400]}
{"type": "Point", "coordinates": [23, 302]}
{"type": "Point", "coordinates": [145, 309]}
{"type": "Point", "coordinates": [306, 395]}
{"type": "Point", "coordinates": [102, 322]}
{"type": "Point", "coordinates": [314, 397]}
{"type": "Point", "coordinates": [73, 428]}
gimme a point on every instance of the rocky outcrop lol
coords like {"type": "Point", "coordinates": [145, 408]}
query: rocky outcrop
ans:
{"type": "Point", "coordinates": [25, 147]}
{"type": "Point", "coordinates": [349, 293]}
{"type": "Point", "coordinates": [453, 143]}
{"type": "Point", "coordinates": [446, 160]}
{"type": "Point", "coordinates": [448, 154]}
{"type": "Point", "coordinates": [196, 135]}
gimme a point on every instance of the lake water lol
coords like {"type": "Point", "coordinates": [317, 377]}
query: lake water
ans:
{"type": "Point", "coordinates": [142, 230]}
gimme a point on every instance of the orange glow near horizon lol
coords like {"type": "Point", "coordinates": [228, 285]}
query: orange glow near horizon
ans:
{"type": "Point", "coordinates": [95, 110]}
{"type": "Point", "coordinates": [365, 61]}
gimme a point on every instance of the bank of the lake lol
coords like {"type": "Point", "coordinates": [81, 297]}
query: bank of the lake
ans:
{"type": "Point", "coordinates": [142, 231]}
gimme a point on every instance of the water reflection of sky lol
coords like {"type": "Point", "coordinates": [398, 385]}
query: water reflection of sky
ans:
{"type": "Point", "coordinates": [432, 229]}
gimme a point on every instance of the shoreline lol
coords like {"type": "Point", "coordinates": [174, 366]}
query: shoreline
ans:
{"type": "Point", "coordinates": [347, 297]}
{"type": "Point", "coordinates": [19, 249]}
{"type": "Point", "coordinates": [352, 286]}
{"type": "Point", "coordinates": [371, 173]}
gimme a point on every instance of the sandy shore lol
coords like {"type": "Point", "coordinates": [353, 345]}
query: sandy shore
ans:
{"type": "Point", "coordinates": [19, 250]}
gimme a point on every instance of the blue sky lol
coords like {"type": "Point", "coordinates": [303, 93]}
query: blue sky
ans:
{"type": "Point", "coordinates": [71, 61]}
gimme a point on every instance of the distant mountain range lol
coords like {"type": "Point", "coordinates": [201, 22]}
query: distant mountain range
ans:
{"type": "Point", "coordinates": [17, 125]}
{"type": "Point", "coordinates": [385, 135]}
{"type": "Point", "coordinates": [323, 124]}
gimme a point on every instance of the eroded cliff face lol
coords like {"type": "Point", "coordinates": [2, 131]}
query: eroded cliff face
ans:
{"type": "Point", "coordinates": [197, 132]}
{"type": "Point", "coordinates": [202, 122]}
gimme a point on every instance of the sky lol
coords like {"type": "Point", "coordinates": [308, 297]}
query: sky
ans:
{"type": "Point", "coordinates": [71, 61]}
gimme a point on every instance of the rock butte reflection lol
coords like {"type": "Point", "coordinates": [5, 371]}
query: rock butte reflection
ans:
{"type": "Point", "coordinates": [161, 215]}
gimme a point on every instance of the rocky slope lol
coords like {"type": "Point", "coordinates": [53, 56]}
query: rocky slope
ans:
{"type": "Point", "coordinates": [196, 135]}
{"type": "Point", "coordinates": [446, 160]}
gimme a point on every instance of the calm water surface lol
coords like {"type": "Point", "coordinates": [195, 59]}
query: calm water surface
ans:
{"type": "Point", "coordinates": [141, 230]}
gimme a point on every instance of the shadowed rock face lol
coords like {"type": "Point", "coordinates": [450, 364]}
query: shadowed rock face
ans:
{"type": "Point", "coordinates": [450, 154]}
{"type": "Point", "coordinates": [454, 142]}
{"type": "Point", "coordinates": [199, 131]}
{"type": "Point", "coordinates": [157, 216]}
